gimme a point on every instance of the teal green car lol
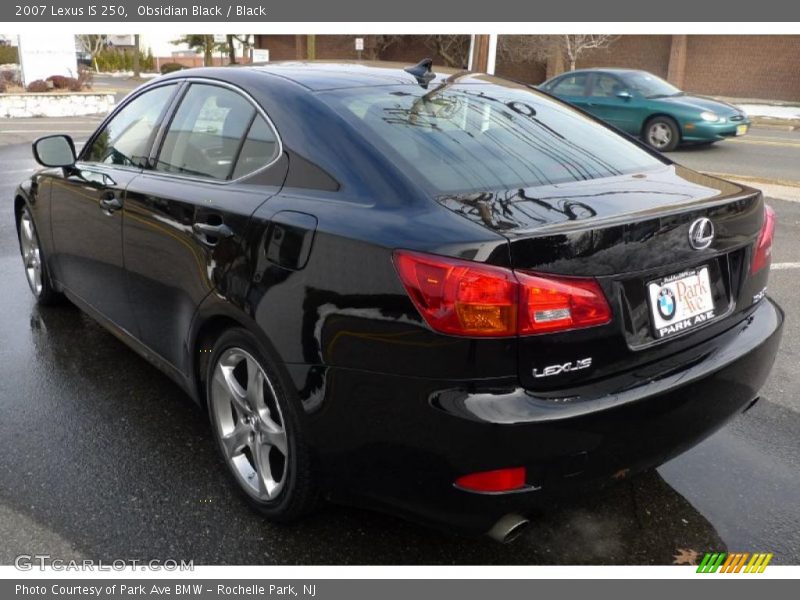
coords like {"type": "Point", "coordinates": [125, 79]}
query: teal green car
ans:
{"type": "Point", "coordinates": [646, 106]}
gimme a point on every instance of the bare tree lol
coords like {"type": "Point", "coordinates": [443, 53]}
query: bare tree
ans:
{"type": "Point", "coordinates": [575, 45]}
{"type": "Point", "coordinates": [231, 47]}
{"type": "Point", "coordinates": [201, 43]}
{"type": "Point", "coordinates": [208, 50]}
{"type": "Point", "coordinates": [245, 39]}
{"type": "Point", "coordinates": [376, 45]}
{"type": "Point", "coordinates": [526, 48]}
{"type": "Point", "coordinates": [550, 48]}
{"type": "Point", "coordinates": [454, 49]}
{"type": "Point", "coordinates": [93, 44]}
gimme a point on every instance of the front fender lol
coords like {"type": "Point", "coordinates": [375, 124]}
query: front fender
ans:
{"type": "Point", "coordinates": [22, 195]}
{"type": "Point", "coordinates": [34, 193]}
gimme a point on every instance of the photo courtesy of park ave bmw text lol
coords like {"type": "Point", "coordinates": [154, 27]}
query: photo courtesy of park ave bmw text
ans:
{"type": "Point", "coordinates": [331, 300]}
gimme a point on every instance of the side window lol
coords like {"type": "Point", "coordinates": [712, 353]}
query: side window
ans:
{"type": "Point", "coordinates": [259, 149]}
{"type": "Point", "coordinates": [606, 86]}
{"type": "Point", "coordinates": [126, 139]}
{"type": "Point", "coordinates": [206, 133]}
{"type": "Point", "coordinates": [571, 85]}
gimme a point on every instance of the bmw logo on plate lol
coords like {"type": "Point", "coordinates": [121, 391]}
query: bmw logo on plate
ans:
{"type": "Point", "coordinates": [666, 303]}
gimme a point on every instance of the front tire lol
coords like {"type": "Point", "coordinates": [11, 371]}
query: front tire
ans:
{"type": "Point", "coordinates": [662, 134]}
{"type": "Point", "coordinates": [257, 429]}
{"type": "Point", "coordinates": [34, 261]}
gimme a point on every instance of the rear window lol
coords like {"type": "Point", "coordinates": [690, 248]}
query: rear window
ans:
{"type": "Point", "coordinates": [476, 137]}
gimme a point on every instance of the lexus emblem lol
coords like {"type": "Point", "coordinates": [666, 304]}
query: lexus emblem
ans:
{"type": "Point", "coordinates": [701, 234]}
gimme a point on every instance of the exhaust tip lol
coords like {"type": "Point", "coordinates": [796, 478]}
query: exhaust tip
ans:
{"type": "Point", "coordinates": [508, 528]}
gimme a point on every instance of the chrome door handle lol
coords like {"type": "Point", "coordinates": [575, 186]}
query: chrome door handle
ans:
{"type": "Point", "coordinates": [211, 234]}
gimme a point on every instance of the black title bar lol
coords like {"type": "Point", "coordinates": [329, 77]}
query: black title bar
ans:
{"type": "Point", "coordinates": [486, 11]}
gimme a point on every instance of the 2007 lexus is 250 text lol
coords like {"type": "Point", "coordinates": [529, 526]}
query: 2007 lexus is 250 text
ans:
{"type": "Point", "coordinates": [440, 294]}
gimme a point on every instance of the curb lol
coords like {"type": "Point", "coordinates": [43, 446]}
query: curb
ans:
{"type": "Point", "coordinates": [779, 189]}
{"type": "Point", "coordinates": [754, 179]}
{"type": "Point", "coordinates": [775, 124]}
{"type": "Point", "coordinates": [76, 104]}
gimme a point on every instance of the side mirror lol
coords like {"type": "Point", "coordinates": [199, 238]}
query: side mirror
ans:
{"type": "Point", "coordinates": [624, 95]}
{"type": "Point", "coordinates": [54, 151]}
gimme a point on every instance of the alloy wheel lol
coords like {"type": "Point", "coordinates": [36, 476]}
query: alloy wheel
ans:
{"type": "Point", "coordinates": [659, 135]}
{"type": "Point", "coordinates": [249, 424]}
{"type": "Point", "coordinates": [31, 254]}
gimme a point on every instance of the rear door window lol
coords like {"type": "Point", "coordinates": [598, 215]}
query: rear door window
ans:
{"type": "Point", "coordinates": [606, 86]}
{"type": "Point", "coordinates": [206, 133]}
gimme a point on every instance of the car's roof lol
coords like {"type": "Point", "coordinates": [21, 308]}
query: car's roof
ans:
{"type": "Point", "coordinates": [322, 75]}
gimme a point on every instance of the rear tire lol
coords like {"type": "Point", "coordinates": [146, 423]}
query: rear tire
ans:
{"type": "Point", "coordinates": [257, 429]}
{"type": "Point", "coordinates": [34, 260]}
{"type": "Point", "coordinates": [662, 134]}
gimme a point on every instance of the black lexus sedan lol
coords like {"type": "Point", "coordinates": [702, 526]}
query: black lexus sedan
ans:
{"type": "Point", "coordinates": [440, 294]}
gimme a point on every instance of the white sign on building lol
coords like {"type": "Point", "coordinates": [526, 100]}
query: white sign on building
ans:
{"type": "Point", "coordinates": [260, 55]}
{"type": "Point", "coordinates": [41, 56]}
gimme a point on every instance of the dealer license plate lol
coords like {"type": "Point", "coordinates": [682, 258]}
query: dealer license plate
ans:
{"type": "Point", "coordinates": [741, 129]}
{"type": "Point", "coordinates": [680, 302]}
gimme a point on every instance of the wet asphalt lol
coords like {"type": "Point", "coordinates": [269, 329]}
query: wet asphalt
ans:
{"type": "Point", "coordinates": [102, 457]}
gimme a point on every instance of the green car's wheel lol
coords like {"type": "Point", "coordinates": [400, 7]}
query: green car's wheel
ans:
{"type": "Point", "coordinates": [662, 134]}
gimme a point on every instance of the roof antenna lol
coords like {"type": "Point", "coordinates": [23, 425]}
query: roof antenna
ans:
{"type": "Point", "coordinates": [422, 71]}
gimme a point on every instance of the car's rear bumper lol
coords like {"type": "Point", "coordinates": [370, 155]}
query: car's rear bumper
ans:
{"type": "Point", "coordinates": [399, 442]}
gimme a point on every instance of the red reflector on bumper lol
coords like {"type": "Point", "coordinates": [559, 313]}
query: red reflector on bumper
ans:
{"type": "Point", "coordinates": [500, 480]}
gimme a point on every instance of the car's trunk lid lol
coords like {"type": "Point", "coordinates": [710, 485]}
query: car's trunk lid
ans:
{"type": "Point", "coordinates": [631, 233]}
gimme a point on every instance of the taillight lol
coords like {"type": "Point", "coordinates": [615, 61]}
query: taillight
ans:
{"type": "Point", "coordinates": [557, 304]}
{"type": "Point", "coordinates": [461, 297]}
{"type": "Point", "coordinates": [763, 248]}
{"type": "Point", "coordinates": [500, 480]}
{"type": "Point", "coordinates": [458, 296]}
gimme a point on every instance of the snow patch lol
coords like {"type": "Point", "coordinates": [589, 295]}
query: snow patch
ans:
{"type": "Point", "coordinates": [771, 111]}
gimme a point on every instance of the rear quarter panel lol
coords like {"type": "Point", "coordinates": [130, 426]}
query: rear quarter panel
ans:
{"type": "Point", "coordinates": [347, 308]}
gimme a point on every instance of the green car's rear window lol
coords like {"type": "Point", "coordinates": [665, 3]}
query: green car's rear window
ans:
{"type": "Point", "coordinates": [476, 137]}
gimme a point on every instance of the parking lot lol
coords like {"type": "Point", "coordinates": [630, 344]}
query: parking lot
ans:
{"type": "Point", "coordinates": [104, 458]}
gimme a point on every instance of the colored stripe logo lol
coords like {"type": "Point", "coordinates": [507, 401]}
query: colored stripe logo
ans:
{"type": "Point", "coordinates": [735, 562]}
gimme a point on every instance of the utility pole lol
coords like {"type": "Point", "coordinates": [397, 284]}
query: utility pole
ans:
{"type": "Point", "coordinates": [483, 53]}
{"type": "Point", "coordinates": [311, 47]}
{"type": "Point", "coordinates": [137, 72]}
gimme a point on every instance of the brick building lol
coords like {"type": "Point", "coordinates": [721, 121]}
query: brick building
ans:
{"type": "Point", "coordinates": [739, 66]}
{"type": "Point", "coordinates": [411, 48]}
